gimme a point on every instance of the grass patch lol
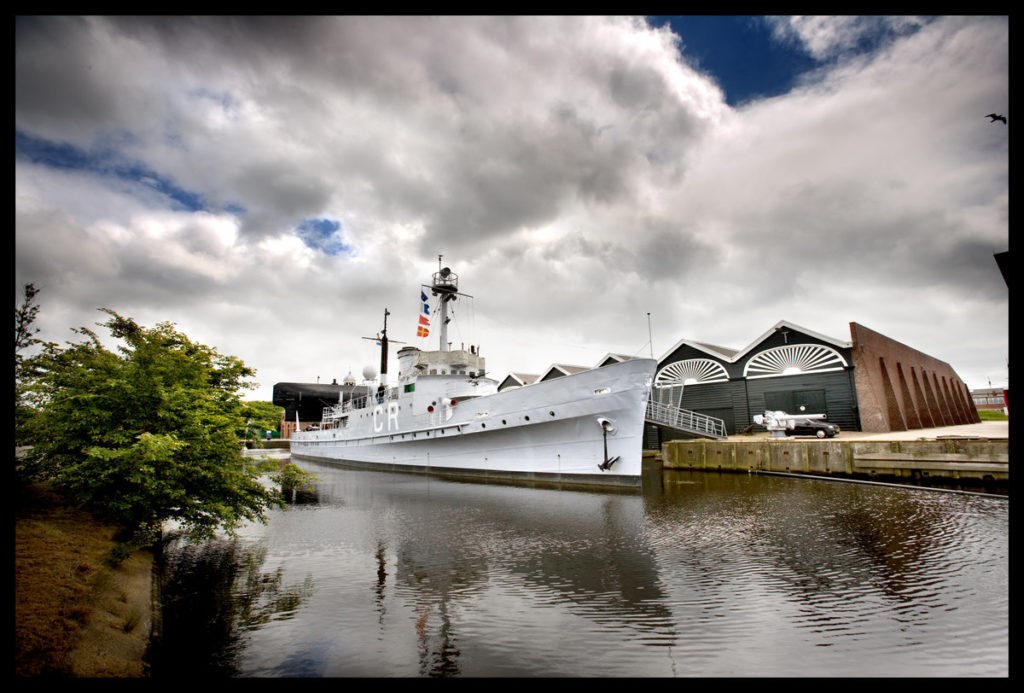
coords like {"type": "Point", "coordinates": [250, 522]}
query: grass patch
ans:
{"type": "Point", "coordinates": [58, 554]}
{"type": "Point", "coordinates": [131, 621]}
{"type": "Point", "coordinates": [992, 415]}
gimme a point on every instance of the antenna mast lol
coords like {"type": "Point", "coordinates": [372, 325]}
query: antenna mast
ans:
{"type": "Point", "coordinates": [650, 337]}
{"type": "Point", "coordinates": [382, 338]}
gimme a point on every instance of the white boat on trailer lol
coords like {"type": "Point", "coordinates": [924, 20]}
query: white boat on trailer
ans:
{"type": "Point", "coordinates": [446, 417]}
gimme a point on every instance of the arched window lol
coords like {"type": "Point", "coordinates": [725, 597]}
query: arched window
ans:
{"type": "Point", "coordinates": [794, 359]}
{"type": "Point", "coordinates": [691, 372]}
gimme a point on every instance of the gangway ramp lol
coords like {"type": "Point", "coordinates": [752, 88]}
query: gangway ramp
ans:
{"type": "Point", "coordinates": [685, 420]}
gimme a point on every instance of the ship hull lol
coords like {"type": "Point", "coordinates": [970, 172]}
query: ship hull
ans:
{"type": "Point", "coordinates": [582, 429]}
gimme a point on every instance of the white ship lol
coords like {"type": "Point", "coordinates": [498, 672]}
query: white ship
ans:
{"type": "Point", "coordinates": [446, 417]}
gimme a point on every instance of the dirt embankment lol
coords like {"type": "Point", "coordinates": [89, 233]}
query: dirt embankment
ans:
{"type": "Point", "coordinates": [75, 614]}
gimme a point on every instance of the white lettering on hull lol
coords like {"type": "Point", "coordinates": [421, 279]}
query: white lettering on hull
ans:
{"type": "Point", "coordinates": [392, 417]}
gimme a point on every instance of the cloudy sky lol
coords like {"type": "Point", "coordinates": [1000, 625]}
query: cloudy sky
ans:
{"type": "Point", "coordinates": [271, 185]}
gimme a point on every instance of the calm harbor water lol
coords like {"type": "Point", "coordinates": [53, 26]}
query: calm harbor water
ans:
{"type": "Point", "coordinates": [381, 574]}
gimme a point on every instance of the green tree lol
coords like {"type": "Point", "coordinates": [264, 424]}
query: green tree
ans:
{"type": "Point", "coordinates": [149, 433]}
{"type": "Point", "coordinates": [24, 317]}
{"type": "Point", "coordinates": [262, 416]}
{"type": "Point", "coordinates": [24, 337]}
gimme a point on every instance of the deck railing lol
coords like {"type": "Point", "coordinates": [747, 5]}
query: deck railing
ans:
{"type": "Point", "coordinates": [360, 402]}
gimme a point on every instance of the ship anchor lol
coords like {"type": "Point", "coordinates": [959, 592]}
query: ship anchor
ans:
{"type": "Point", "coordinates": [606, 426]}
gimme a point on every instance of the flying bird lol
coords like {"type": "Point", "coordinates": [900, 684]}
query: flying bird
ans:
{"type": "Point", "coordinates": [995, 117]}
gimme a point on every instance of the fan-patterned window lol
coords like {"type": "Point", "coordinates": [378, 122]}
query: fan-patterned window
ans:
{"type": "Point", "coordinates": [691, 372]}
{"type": "Point", "coordinates": [794, 359]}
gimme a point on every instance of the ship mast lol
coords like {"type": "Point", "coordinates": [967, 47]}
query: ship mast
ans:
{"type": "Point", "coordinates": [446, 285]}
{"type": "Point", "coordinates": [382, 339]}
{"type": "Point", "coordinates": [384, 349]}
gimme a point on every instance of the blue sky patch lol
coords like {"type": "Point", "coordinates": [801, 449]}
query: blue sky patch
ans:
{"type": "Point", "coordinates": [323, 235]}
{"type": "Point", "coordinates": [748, 60]}
{"type": "Point", "coordinates": [106, 162]}
{"type": "Point", "coordinates": [740, 54]}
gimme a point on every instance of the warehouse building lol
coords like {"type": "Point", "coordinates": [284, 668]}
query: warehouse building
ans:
{"type": "Point", "coordinates": [870, 383]}
{"type": "Point", "coordinates": [304, 403]}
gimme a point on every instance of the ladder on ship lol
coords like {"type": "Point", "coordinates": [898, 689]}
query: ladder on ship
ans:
{"type": "Point", "coordinates": [685, 420]}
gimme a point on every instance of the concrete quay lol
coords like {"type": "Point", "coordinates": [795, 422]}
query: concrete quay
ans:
{"type": "Point", "coordinates": [276, 444]}
{"type": "Point", "coordinates": [970, 455]}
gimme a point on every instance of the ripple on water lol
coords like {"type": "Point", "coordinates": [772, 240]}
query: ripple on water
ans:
{"type": "Point", "coordinates": [723, 575]}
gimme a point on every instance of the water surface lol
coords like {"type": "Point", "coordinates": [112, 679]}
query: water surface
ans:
{"type": "Point", "coordinates": [384, 574]}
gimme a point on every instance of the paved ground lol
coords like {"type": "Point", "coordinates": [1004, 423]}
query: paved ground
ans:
{"type": "Point", "coordinates": [985, 429]}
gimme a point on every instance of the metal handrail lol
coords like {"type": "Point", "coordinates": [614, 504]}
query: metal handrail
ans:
{"type": "Point", "coordinates": [357, 403]}
{"type": "Point", "coordinates": [685, 420]}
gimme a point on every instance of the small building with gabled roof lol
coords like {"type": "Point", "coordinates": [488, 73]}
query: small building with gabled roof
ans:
{"type": "Point", "coordinates": [517, 380]}
{"type": "Point", "coordinates": [610, 358]}
{"type": "Point", "coordinates": [558, 370]}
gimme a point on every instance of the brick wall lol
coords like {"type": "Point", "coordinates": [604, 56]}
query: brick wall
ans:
{"type": "Point", "coordinates": [900, 388]}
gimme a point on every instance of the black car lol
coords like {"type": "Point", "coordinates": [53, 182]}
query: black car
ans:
{"type": "Point", "coordinates": [812, 427]}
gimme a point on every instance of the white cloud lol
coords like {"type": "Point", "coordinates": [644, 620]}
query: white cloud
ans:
{"type": "Point", "coordinates": [827, 37]}
{"type": "Point", "coordinates": [574, 171]}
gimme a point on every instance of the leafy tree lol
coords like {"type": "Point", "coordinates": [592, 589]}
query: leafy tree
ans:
{"type": "Point", "coordinates": [24, 368]}
{"type": "Point", "coordinates": [24, 316]}
{"type": "Point", "coordinates": [149, 433]}
{"type": "Point", "coordinates": [293, 479]}
{"type": "Point", "coordinates": [262, 416]}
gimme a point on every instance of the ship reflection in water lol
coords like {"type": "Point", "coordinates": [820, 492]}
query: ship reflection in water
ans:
{"type": "Point", "coordinates": [383, 574]}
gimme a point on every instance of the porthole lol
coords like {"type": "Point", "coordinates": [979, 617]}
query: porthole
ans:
{"type": "Point", "coordinates": [527, 418]}
{"type": "Point", "coordinates": [503, 422]}
{"type": "Point", "coordinates": [552, 413]}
